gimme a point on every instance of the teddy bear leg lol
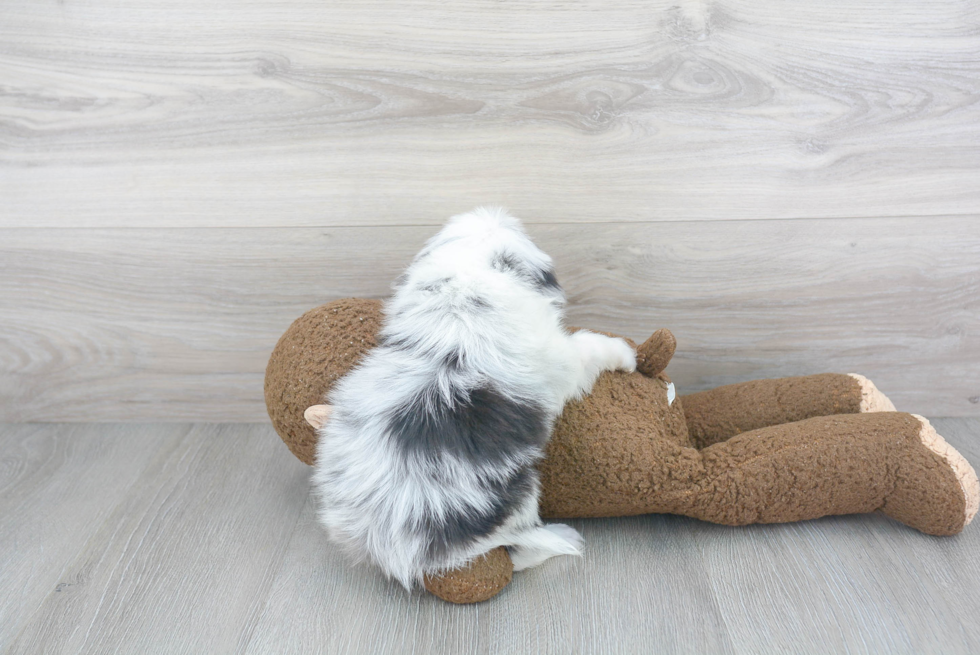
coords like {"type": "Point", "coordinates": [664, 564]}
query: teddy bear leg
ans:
{"type": "Point", "coordinates": [841, 464]}
{"type": "Point", "coordinates": [721, 413]}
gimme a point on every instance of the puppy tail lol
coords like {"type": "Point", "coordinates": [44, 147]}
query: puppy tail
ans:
{"type": "Point", "coordinates": [535, 545]}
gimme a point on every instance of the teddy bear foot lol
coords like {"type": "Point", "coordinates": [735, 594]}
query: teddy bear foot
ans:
{"type": "Point", "coordinates": [480, 580]}
{"type": "Point", "coordinates": [962, 469]}
{"type": "Point", "coordinates": [936, 491]}
{"type": "Point", "coordinates": [872, 400]}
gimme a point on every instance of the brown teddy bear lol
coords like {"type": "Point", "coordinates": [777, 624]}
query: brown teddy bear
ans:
{"type": "Point", "coordinates": [767, 451]}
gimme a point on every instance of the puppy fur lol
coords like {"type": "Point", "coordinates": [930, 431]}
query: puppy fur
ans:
{"type": "Point", "coordinates": [428, 459]}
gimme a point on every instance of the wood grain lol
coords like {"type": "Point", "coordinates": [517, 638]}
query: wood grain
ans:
{"type": "Point", "coordinates": [191, 538]}
{"type": "Point", "coordinates": [180, 563]}
{"type": "Point", "coordinates": [108, 324]}
{"type": "Point", "coordinates": [385, 113]}
{"type": "Point", "coordinates": [58, 484]}
{"type": "Point", "coordinates": [844, 570]}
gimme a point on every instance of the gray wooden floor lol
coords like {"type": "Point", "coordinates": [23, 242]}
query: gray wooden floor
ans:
{"type": "Point", "coordinates": [200, 538]}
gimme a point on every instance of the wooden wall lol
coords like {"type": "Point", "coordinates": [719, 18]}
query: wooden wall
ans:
{"type": "Point", "coordinates": [790, 187]}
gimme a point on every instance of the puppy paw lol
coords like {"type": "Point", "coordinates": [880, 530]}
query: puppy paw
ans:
{"type": "Point", "coordinates": [625, 356]}
{"type": "Point", "coordinates": [622, 356]}
{"type": "Point", "coordinates": [601, 353]}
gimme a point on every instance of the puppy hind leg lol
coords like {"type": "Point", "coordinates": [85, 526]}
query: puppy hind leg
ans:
{"type": "Point", "coordinates": [534, 546]}
{"type": "Point", "coordinates": [529, 541]}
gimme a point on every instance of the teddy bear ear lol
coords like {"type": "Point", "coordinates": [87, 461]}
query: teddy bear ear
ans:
{"type": "Point", "coordinates": [654, 354]}
{"type": "Point", "coordinates": [317, 415]}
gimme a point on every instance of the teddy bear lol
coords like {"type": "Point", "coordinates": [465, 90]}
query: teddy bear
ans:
{"type": "Point", "coordinates": [764, 451]}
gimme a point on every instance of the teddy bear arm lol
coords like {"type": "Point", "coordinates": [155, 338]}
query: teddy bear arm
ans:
{"type": "Point", "coordinates": [721, 413]}
{"type": "Point", "coordinates": [319, 348]}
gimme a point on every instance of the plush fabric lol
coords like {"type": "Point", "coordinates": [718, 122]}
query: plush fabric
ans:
{"type": "Point", "coordinates": [317, 350]}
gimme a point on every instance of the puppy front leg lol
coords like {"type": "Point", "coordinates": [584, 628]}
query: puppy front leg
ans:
{"type": "Point", "coordinates": [597, 353]}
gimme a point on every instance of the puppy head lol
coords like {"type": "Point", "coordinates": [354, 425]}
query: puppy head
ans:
{"type": "Point", "coordinates": [485, 240]}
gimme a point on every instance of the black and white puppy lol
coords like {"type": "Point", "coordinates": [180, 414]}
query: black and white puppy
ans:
{"type": "Point", "coordinates": [428, 459]}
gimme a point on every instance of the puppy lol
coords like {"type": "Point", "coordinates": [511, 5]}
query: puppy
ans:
{"type": "Point", "coordinates": [428, 458]}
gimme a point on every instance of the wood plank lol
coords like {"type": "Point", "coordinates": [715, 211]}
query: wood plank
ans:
{"type": "Point", "coordinates": [852, 583]}
{"type": "Point", "coordinates": [178, 324]}
{"type": "Point", "coordinates": [840, 584]}
{"type": "Point", "coordinates": [58, 484]}
{"type": "Point", "coordinates": [848, 584]}
{"type": "Point", "coordinates": [384, 113]}
{"type": "Point", "coordinates": [320, 602]}
{"type": "Point", "coordinates": [184, 562]}
{"type": "Point", "coordinates": [201, 538]}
